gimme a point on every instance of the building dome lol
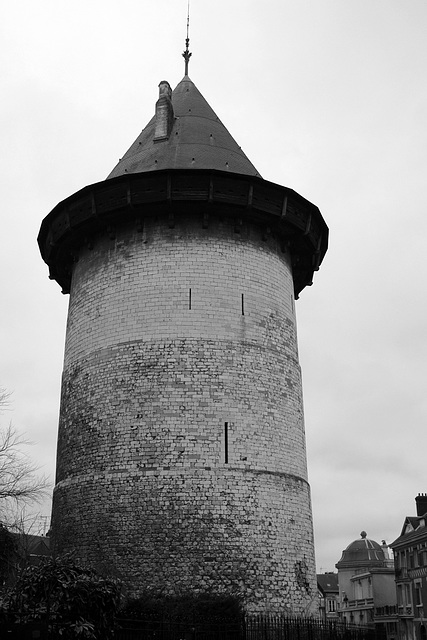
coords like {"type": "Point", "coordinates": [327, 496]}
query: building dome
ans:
{"type": "Point", "coordinates": [362, 552]}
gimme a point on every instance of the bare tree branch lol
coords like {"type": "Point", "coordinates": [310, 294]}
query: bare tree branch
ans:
{"type": "Point", "coordinates": [19, 479]}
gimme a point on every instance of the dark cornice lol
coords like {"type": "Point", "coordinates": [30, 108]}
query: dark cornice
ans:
{"type": "Point", "coordinates": [106, 205]}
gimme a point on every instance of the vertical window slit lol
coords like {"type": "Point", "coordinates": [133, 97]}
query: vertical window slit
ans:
{"type": "Point", "coordinates": [189, 299]}
{"type": "Point", "coordinates": [226, 442]}
{"type": "Point", "coordinates": [243, 304]}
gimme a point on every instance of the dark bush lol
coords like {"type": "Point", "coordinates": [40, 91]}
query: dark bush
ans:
{"type": "Point", "coordinates": [204, 607]}
{"type": "Point", "coordinates": [73, 601]}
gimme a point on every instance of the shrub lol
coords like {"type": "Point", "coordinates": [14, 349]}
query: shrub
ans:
{"type": "Point", "coordinates": [73, 601]}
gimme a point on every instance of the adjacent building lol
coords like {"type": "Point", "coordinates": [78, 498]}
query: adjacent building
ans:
{"type": "Point", "coordinates": [18, 551]}
{"type": "Point", "coordinates": [327, 585]}
{"type": "Point", "coordinates": [410, 557]}
{"type": "Point", "coordinates": [367, 593]}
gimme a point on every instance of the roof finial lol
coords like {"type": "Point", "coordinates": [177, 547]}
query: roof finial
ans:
{"type": "Point", "coordinates": [187, 55]}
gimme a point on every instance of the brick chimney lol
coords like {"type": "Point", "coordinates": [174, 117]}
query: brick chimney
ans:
{"type": "Point", "coordinates": [421, 502]}
{"type": "Point", "coordinates": [164, 112]}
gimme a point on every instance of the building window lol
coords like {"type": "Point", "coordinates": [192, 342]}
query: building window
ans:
{"type": "Point", "coordinates": [418, 595]}
{"type": "Point", "coordinates": [408, 599]}
{"type": "Point", "coordinates": [332, 606]}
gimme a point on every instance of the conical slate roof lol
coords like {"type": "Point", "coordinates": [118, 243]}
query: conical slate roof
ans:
{"type": "Point", "coordinates": [197, 140]}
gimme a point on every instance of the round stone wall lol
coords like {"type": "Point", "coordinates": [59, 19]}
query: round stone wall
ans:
{"type": "Point", "coordinates": [181, 450]}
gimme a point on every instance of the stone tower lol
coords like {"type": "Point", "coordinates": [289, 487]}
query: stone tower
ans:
{"type": "Point", "coordinates": [181, 461]}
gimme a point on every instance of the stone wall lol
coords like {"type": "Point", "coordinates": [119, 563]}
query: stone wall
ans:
{"type": "Point", "coordinates": [181, 449]}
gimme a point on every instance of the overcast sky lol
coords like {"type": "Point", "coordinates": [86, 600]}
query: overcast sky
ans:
{"type": "Point", "coordinates": [328, 97]}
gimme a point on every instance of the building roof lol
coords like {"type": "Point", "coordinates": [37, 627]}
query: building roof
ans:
{"type": "Point", "coordinates": [362, 552]}
{"type": "Point", "coordinates": [32, 545]}
{"type": "Point", "coordinates": [197, 140]}
{"type": "Point", "coordinates": [327, 582]}
{"type": "Point", "coordinates": [414, 528]}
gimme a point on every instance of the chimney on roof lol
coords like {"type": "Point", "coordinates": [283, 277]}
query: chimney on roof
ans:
{"type": "Point", "coordinates": [421, 502]}
{"type": "Point", "coordinates": [164, 112]}
{"type": "Point", "coordinates": [384, 547]}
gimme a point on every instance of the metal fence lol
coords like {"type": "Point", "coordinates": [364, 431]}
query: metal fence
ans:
{"type": "Point", "coordinates": [294, 628]}
{"type": "Point", "coordinates": [259, 627]}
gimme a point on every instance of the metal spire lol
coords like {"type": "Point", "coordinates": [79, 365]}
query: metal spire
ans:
{"type": "Point", "coordinates": [187, 55]}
